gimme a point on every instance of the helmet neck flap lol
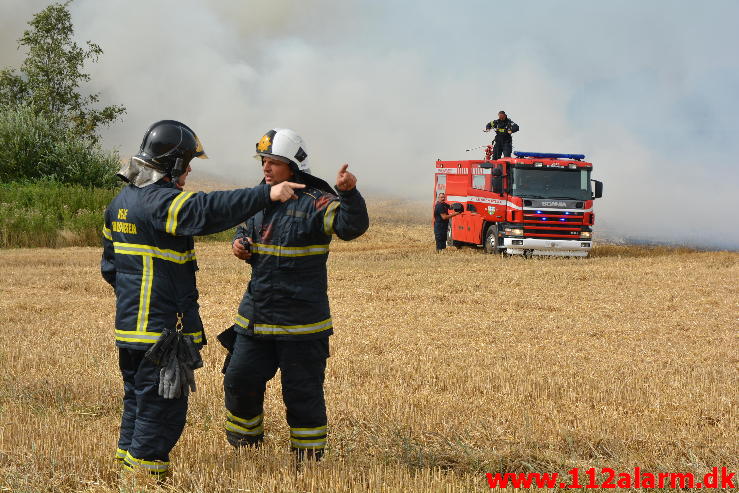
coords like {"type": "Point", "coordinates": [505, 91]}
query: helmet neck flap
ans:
{"type": "Point", "coordinates": [139, 174]}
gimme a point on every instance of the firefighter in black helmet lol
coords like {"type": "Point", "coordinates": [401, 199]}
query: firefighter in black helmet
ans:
{"type": "Point", "coordinates": [149, 259]}
{"type": "Point", "coordinates": [284, 319]}
{"type": "Point", "coordinates": [504, 128]}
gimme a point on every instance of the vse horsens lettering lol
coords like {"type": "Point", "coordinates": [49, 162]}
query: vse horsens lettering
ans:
{"type": "Point", "coordinates": [119, 227]}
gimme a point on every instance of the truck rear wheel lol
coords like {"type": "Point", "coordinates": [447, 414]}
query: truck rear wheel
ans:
{"type": "Point", "coordinates": [492, 243]}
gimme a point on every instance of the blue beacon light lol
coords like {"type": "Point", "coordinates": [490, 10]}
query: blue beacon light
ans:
{"type": "Point", "coordinates": [549, 155]}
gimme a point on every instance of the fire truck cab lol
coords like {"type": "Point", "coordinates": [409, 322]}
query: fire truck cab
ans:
{"type": "Point", "coordinates": [531, 204]}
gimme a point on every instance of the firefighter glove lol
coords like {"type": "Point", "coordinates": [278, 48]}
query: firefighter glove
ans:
{"type": "Point", "coordinates": [157, 354]}
{"type": "Point", "coordinates": [170, 379]}
{"type": "Point", "coordinates": [177, 356]}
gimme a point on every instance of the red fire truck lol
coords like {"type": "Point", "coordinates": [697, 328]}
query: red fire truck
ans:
{"type": "Point", "coordinates": [531, 204]}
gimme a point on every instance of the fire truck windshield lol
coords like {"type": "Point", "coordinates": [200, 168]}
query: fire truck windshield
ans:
{"type": "Point", "coordinates": [551, 183]}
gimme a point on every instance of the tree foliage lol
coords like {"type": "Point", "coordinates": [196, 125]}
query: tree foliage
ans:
{"type": "Point", "coordinates": [49, 79]}
{"type": "Point", "coordinates": [35, 148]}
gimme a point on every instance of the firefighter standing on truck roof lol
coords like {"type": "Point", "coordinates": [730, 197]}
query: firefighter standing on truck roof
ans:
{"type": "Point", "coordinates": [283, 320]}
{"type": "Point", "coordinates": [148, 258]}
{"type": "Point", "coordinates": [441, 221]}
{"type": "Point", "coordinates": [503, 128]}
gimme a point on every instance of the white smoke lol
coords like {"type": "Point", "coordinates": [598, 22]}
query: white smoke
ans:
{"type": "Point", "coordinates": [649, 92]}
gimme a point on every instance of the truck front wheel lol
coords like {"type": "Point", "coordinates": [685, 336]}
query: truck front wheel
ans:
{"type": "Point", "coordinates": [449, 241]}
{"type": "Point", "coordinates": [491, 239]}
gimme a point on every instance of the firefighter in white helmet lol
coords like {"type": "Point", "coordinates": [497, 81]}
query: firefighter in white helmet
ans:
{"type": "Point", "coordinates": [284, 320]}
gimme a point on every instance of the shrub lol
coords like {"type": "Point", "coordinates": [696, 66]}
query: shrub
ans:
{"type": "Point", "coordinates": [33, 146]}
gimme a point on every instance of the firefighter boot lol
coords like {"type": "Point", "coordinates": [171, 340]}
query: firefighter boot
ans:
{"type": "Point", "coordinates": [302, 454]}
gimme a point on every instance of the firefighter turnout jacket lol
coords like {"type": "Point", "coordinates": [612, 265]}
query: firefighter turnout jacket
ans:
{"type": "Point", "coordinates": [501, 129]}
{"type": "Point", "coordinates": [287, 298]}
{"type": "Point", "coordinates": [149, 256]}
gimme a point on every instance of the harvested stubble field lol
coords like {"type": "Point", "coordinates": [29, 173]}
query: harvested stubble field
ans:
{"type": "Point", "coordinates": [443, 367]}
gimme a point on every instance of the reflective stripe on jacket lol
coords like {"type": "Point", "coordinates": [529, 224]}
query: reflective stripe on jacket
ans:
{"type": "Point", "coordinates": [149, 255]}
{"type": "Point", "coordinates": [287, 295]}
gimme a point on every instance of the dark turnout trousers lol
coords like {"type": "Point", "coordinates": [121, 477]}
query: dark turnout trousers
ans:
{"type": "Point", "coordinates": [151, 424]}
{"type": "Point", "coordinates": [440, 234]}
{"type": "Point", "coordinates": [302, 367]}
{"type": "Point", "coordinates": [502, 149]}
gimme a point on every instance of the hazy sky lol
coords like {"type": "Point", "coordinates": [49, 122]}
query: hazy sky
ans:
{"type": "Point", "coordinates": [648, 90]}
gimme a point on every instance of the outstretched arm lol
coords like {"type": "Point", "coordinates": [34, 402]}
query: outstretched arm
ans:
{"type": "Point", "coordinates": [189, 213]}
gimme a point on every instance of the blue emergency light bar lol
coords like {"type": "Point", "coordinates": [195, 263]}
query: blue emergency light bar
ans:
{"type": "Point", "coordinates": [549, 155]}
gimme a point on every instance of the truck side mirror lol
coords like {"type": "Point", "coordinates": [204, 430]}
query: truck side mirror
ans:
{"type": "Point", "coordinates": [598, 189]}
{"type": "Point", "coordinates": [497, 181]}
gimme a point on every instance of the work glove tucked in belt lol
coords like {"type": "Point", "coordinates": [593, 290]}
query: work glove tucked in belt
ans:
{"type": "Point", "coordinates": [178, 357]}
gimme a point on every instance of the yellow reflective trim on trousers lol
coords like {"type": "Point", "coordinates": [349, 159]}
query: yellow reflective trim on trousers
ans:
{"type": "Point", "coordinates": [231, 426]}
{"type": "Point", "coordinates": [173, 211]}
{"type": "Point", "coordinates": [329, 217]}
{"type": "Point", "coordinates": [321, 443]}
{"type": "Point", "coordinates": [245, 422]}
{"type": "Point", "coordinates": [147, 278]}
{"type": "Point", "coordinates": [293, 329]}
{"type": "Point", "coordinates": [120, 454]}
{"type": "Point", "coordinates": [107, 234]}
{"type": "Point", "coordinates": [309, 432]}
{"type": "Point", "coordinates": [152, 251]}
{"type": "Point", "coordinates": [158, 466]}
{"type": "Point", "coordinates": [289, 251]}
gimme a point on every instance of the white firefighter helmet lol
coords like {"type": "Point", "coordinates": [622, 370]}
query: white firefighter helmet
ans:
{"type": "Point", "coordinates": [285, 144]}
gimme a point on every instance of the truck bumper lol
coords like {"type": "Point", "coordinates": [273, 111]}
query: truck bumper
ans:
{"type": "Point", "coordinates": [533, 246]}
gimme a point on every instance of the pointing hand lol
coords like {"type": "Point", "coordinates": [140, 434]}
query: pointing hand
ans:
{"type": "Point", "coordinates": [345, 180]}
{"type": "Point", "coordinates": [284, 191]}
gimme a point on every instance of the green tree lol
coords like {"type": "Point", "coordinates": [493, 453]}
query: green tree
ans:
{"type": "Point", "coordinates": [50, 77]}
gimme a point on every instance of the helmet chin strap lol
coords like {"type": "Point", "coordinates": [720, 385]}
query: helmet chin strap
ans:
{"type": "Point", "coordinates": [177, 169]}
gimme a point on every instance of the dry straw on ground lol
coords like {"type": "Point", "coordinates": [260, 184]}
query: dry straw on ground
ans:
{"type": "Point", "coordinates": [443, 367]}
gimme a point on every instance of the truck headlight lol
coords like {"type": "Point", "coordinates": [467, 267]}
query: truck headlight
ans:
{"type": "Point", "coordinates": [514, 231]}
{"type": "Point", "coordinates": [586, 234]}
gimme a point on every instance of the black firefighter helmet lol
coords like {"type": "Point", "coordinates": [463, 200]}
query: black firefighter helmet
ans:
{"type": "Point", "coordinates": [169, 146]}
